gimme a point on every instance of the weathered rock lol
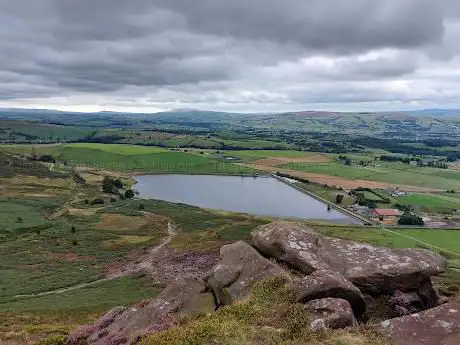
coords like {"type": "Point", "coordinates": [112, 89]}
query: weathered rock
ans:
{"type": "Point", "coordinates": [405, 303]}
{"type": "Point", "coordinates": [182, 298]}
{"type": "Point", "coordinates": [330, 313]}
{"type": "Point", "coordinates": [437, 326]}
{"type": "Point", "coordinates": [292, 243]}
{"type": "Point", "coordinates": [323, 284]}
{"type": "Point", "coordinates": [239, 268]}
{"type": "Point", "coordinates": [375, 270]}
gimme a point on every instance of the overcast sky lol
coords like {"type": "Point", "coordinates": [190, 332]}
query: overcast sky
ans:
{"type": "Point", "coordinates": [232, 55]}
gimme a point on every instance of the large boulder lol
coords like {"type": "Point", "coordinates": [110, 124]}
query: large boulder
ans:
{"type": "Point", "coordinates": [184, 297]}
{"type": "Point", "coordinates": [375, 270]}
{"type": "Point", "coordinates": [239, 268]}
{"type": "Point", "coordinates": [323, 284]}
{"type": "Point", "coordinates": [291, 243]}
{"type": "Point", "coordinates": [330, 313]}
{"type": "Point", "coordinates": [437, 326]}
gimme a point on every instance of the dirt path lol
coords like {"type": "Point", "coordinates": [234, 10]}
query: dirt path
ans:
{"type": "Point", "coordinates": [142, 264]}
{"type": "Point", "coordinates": [145, 262]}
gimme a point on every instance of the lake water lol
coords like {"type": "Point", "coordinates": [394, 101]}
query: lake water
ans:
{"type": "Point", "coordinates": [264, 196]}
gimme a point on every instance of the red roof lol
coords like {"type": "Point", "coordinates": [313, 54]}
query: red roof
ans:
{"type": "Point", "coordinates": [382, 212]}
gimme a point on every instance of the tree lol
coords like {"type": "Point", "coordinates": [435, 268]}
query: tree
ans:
{"type": "Point", "coordinates": [129, 194]}
{"type": "Point", "coordinates": [410, 219]}
{"type": "Point", "coordinates": [117, 183]}
{"type": "Point", "coordinates": [110, 185]}
{"type": "Point", "coordinates": [338, 198]}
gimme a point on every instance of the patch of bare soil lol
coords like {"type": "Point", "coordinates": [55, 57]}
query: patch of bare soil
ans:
{"type": "Point", "coordinates": [277, 161]}
{"type": "Point", "coordinates": [340, 181]}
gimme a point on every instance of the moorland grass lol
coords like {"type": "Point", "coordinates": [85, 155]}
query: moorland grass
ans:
{"type": "Point", "coordinates": [268, 316]}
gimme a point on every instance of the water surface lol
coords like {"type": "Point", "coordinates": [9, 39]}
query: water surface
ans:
{"type": "Point", "coordinates": [264, 196]}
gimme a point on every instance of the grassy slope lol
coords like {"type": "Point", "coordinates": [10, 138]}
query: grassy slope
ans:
{"type": "Point", "coordinates": [41, 253]}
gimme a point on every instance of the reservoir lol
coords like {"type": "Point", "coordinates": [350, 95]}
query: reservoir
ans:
{"type": "Point", "coordinates": [263, 196]}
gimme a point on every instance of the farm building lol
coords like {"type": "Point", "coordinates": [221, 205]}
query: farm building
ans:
{"type": "Point", "coordinates": [387, 215]}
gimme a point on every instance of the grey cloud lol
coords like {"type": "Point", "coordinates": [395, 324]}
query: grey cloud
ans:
{"type": "Point", "coordinates": [220, 51]}
{"type": "Point", "coordinates": [335, 25]}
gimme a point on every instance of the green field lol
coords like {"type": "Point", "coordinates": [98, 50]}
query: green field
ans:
{"type": "Point", "coordinates": [446, 239]}
{"type": "Point", "coordinates": [396, 173]}
{"type": "Point", "coordinates": [252, 155]}
{"type": "Point", "coordinates": [371, 196]}
{"type": "Point", "coordinates": [431, 201]}
{"type": "Point", "coordinates": [119, 149]}
{"type": "Point", "coordinates": [132, 158]}
{"type": "Point", "coordinates": [328, 193]}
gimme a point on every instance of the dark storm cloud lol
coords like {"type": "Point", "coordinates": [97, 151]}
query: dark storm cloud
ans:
{"type": "Point", "coordinates": [333, 25]}
{"type": "Point", "coordinates": [207, 50]}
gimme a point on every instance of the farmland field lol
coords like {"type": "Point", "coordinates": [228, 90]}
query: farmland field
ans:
{"type": "Point", "coordinates": [431, 201]}
{"type": "Point", "coordinates": [446, 239]}
{"type": "Point", "coordinates": [132, 158]}
{"type": "Point", "coordinates": [119, 148]}
{"type": "Point", "coordinates": [371, 196]}
{"type": "Point", "coordinates": [257, 154]}
{"type": "Point", "coordinates": [422, 177]}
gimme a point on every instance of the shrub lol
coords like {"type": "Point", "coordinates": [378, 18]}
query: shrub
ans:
{"type": "Point", "coordinates": [338, 198]}
{"type": "Point", "coordinates": [97, 201]}
{"type": "Point", "coordinates": [111, 185]}
{"type": "Point", "coordinates": [410, 219]}
{"type": "Point", "coordinates": [129, 194]}
{"type": "Point", "coordinates": [72, 229]}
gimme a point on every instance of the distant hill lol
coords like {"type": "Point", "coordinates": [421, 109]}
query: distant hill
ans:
{"type": "Point", "coordinates": [429, 122]}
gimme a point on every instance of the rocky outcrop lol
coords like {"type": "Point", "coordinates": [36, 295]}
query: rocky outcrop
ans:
{"type": "Point", "coordinates": [323, 284]}
{"type": "Point", "coordinates": [121, 326]}
{"type": "Point", "coordinates": [437, 326]}
{"type": "Point", "coordinates": [374, 270]}
{"type": "Point", "coordinates": [239, 268]}
{"type": "Point", "coordinates": [330, 313]}
{"type": "Point", "coordinates": [335, 279]}
{"type": "Point", "coordinates": [291, 243]}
